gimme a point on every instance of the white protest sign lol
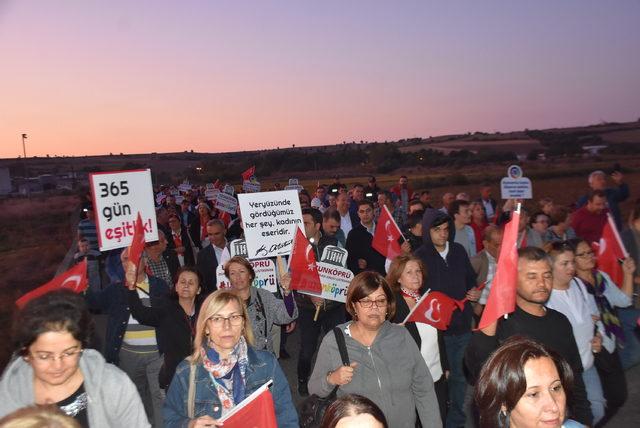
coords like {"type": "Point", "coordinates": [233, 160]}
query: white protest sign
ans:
{"type": "Point", "coordinates": [251, 186]}
{"type": "Point", "coordinates": [179, 199]}
{"type": "Point", "coordinates": [335, 282]}
{"type": "Point", "coordinates": [270, 221]}
{"type": "Point", "coordinates": [265, 270]}
{"type": "Point", "coordinates": [117, 199]}
{"type": "Point", "coordinates": [225, 202]}
{"type": "Point", "coordinates": [515, 186]}
{"type": "Point", "coordinates": [185, 186]}
{"type": "Point", "coordinates": [211, 194]}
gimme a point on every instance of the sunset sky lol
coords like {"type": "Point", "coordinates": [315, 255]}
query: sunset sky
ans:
{"type": "Point", "coordinates": [93, 77]}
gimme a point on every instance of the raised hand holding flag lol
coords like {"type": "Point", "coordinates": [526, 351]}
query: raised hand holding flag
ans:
{"type": "Point", "coordinates": [385, 238]}
{"type": "Point", "coordinates": [135, 252]}
{"type": "Point", "coordinates": [303, 266]}
{"type": "Point", "coordinates": [502, 297]}
{"type": "Point", "coordinates": [75, 279]}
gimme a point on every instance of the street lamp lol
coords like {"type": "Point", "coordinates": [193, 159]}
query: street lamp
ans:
{"type": "Point", "coordinates": [24, 147]}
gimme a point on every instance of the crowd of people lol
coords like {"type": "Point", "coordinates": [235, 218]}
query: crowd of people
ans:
{"type": "Point", "coordinates": [179, 352]}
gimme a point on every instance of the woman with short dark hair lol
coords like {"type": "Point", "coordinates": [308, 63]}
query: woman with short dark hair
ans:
{"type": "Point", "coordinates": [353, 411]}
{"type": "Point", "coordinates": [50, 334]}
{"type": "Point", "coordinates": [524, 384]}
{"type": "Point", "coordinates": [175, 322]}
{"type": "Point", "coordinates": [386, 365]}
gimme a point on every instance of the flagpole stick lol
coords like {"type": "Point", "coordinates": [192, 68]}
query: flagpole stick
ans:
{"type": "Point", "coordinates": [315, 316]}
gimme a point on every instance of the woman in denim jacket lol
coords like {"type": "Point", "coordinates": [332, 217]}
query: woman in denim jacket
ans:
{"type": "Point", "coordinates": [227, 369]}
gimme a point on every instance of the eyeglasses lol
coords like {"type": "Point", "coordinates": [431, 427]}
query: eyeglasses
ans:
{"type": "Point", "coordinates": [586, 254]}
{"type": "Point", "coordinates": [218, 321]}
{"type": "Point", "coordinates": [368, 303]}
{"type": "Point", "coordinates": [47, 358]}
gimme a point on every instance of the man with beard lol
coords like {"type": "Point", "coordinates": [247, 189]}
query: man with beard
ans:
{"type": "Point", "coordinates": [532, 319]}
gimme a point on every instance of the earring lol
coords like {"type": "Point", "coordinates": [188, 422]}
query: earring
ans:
{"type": "Point", "coordinates": [503, 418]}
{"type": "Point", "coordinates": [206, 333]}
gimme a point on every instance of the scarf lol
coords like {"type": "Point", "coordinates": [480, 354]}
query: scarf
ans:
{"type": "Point", "coordinates": [608, 314]}
{"type": "Point", "coordinates": [228, 375]}
{"type": "Point", "coordinates": [413, 294]}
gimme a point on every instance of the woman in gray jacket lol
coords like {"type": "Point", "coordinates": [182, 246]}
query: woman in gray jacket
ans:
{"type": "Point", "coordinates": [386, 364]}
{"type": "Point", "coordinates": [55, 368]}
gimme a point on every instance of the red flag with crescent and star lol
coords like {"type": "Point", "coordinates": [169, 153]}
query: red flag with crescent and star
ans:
{"type": "Point", "coordinates": [385, 238]}
{"type": "Point", "coordinates": [250, 172]}
{"type": "Point", "coordinates": [502, 297]}
{"type": "Point", "coordinates": [610, 252]}
{"type": "Point", "coordinates": [303, 266]}
{"type": "Point", "coordinates": [436, 309]}
{"type": "Point", "coordinates": [75, 279]}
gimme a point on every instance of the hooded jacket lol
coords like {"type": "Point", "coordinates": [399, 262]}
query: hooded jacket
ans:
{"type": "Point", "coordinates": [391, 372]}
{"type": "Point", "coordinates": [113, 399]}
{"type": "Point", "coordinates": [453, 276]}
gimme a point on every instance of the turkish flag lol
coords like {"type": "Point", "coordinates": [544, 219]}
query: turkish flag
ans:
{"type": "Point", "coordinates": [303, 266]}
{"type": "Point", "coordinates": [609, 251]}
{"type": "Point", "coordinates": [502, 297]}
{"type": "Point", "coordinates": [246, 176]}
{"type": "Point", "coordinates": [75, 279]}
{"type": "Point", "coordinates": [436, 309]}
{"type": "Point", "coordinates": [137, 243]}
{"type": "Point", "coordinates": [385, 238]}
{"type": "Point", "coordinates": [255, 411]}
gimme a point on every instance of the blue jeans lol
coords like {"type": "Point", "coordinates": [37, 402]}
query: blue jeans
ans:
{"type": "Point", "coordinates": [455, 346]}
{"type": "Point", "coordinates": [595, 395]}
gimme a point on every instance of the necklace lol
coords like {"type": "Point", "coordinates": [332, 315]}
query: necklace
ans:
{"type": "Point", "coordinates": [413, 294]}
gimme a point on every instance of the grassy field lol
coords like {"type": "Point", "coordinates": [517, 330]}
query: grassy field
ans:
{"type": "Point", "coordinates": [34, 238]}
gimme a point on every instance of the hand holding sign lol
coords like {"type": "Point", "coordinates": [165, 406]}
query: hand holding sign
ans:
{"type": "Point", "coordinates": [285, 277]}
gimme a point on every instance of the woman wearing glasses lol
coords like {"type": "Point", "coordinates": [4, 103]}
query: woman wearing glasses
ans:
{"type": "Point", "coordinates": [227, 369]}
{"type": "Point", "coordinates": [51, 332]}
{"type": "Point", "coordinates": [386, 365]}
{"type": "Point", "coordinates": [263, 308]}
{"type": "Point", "coordinates": [608, 297]}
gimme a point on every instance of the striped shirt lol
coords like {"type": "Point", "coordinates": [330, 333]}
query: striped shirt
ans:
{"type": "Point", "coordinates": [140, 337]}
{"type": "Point", "coordinates": [87, 229]}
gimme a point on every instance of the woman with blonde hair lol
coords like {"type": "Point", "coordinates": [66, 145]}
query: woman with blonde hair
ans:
{"type": "Point", "coordinates": [224, 369]}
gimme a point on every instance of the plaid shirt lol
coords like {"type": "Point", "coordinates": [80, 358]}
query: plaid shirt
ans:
{"type": "Point", "coordinates": [160, 270]}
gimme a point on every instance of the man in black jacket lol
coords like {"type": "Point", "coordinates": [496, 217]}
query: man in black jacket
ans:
{"type": "Point", "coordinates": [532, 319]}
{"type": "Point", "coordinates": [209, 257]}
{"type": "Point", "coordinates": [450, 272]}
{"type": "Point", "coordinates": [331, 312]}
{"type": "Point", "coordinates": [361, 255]}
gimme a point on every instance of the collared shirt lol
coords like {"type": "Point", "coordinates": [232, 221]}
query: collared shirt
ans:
{"type": "Point", "coordinates": [345, 223]}
{"type": "Point", "coordinates": [160, 269]}
{"type": "Point", "coordinates": [372, 229]}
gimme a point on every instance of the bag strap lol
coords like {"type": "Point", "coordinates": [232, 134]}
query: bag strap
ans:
{"type": "Point", "coordinates": [342, 345]}
{"type": "Point", "coordinates": [191, 397]}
